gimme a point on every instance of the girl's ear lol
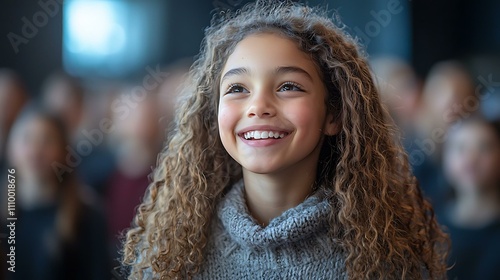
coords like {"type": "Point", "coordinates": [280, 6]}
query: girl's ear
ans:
{"type": "Point", "coordinates": [332, 125]}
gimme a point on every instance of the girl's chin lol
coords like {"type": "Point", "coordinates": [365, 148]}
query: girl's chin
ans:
{"type": "Point", "coordinates": [260, 169]}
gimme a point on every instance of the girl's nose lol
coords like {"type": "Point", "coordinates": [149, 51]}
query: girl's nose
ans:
{"type": "Point", "coordinates": [261, 105]}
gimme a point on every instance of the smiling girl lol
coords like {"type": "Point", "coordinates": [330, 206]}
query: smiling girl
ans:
{"type": "Point", "coordinates": [282, 165]}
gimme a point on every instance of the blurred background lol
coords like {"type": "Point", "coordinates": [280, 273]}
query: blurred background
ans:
{"type": "Point", "coordinates": [87, 95]}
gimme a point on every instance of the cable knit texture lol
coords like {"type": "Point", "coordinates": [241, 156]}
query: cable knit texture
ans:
{"type": "Point", "coordinates": [294, 245]}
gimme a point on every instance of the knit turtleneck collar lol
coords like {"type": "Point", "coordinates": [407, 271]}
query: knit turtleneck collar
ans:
{"type": "Point", "coordinates": [300, 222]}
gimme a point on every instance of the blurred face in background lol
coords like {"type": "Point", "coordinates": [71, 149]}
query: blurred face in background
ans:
{"type": "Point", "coordinates": [399, 88]}
{"type": "Point", "coordinates": [472, 158]}
{"type": "Point", "coordinates": [403, 94]}
{"type": "Point", "coordinates": [137, 137]}
{"type": "Point", "coordinates": [65, 98]}
{"type": "Point", "coordinates": [168, 94]}
{"type": "Point", "coordinates": [12, 100]}
{"type": "Point", "coordinates": [446, 93]}
{"type": "Point", "coordinates": [36, 144]}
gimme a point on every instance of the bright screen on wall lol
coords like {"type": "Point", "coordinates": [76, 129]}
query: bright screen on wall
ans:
{"type": "Point", "coordinates": [111, 38]}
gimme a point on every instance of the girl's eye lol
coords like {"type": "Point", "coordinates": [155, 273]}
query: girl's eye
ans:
{"type": "Point", "coordinates": [236, 88]}
{"type": "Point", "coordinates": [289, 86]}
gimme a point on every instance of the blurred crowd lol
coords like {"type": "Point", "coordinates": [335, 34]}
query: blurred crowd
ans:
{"type": "Point", "coordinates": [450, 128]}
{"type": "Point", "coordinates": [83, 158]}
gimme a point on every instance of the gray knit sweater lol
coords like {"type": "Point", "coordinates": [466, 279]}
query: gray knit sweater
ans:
{"type": "Point", "coordinates": [294, 245]}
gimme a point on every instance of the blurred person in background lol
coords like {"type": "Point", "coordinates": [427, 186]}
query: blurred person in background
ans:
{"type": "Point", "coordinates": [59, 233]}
{"type": "Point", "coordinates": [400, 91]}
{"type": "Point", "coordinates": [170, 89]}
{"type": "Point", "coordinates": [140, 126]}
{"type": "Point", "coordinates": [65, 96]}
{"type": "Point", "coordinates": [447, 91]}
{"type": "Point", "coordinates": [13, 97]}
{"type": "Point", "coordinates": [136, 139]}
{"type": "Point", "coordinates": [472, 164]}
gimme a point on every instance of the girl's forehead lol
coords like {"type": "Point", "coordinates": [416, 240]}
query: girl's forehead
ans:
{"type": "Point", "coordinates": [268, 51]}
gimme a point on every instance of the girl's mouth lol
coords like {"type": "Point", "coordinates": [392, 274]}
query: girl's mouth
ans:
{"type": "Point", "coordinates": [263, 134]}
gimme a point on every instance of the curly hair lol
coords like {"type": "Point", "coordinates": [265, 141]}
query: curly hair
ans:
{"type": "Point", "coordinates": [388, 230]}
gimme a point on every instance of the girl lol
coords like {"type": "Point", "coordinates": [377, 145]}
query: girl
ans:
{"type": "Point", "coordinates": [281, 165]}
{"type": "Point", "coordinates": [471, 161]}
{"type": "Point", "coordinates": [58, 236]}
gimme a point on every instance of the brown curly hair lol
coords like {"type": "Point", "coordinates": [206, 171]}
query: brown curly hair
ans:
{"type": "Point", "coordinates": [379, 215]}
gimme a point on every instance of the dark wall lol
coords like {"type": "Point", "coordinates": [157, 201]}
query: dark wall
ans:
{"type": "Point", "coordinates": [454, 29]}
{"type": "Point", "coordinates": [42, 53]}
{"type": "Point", "coordinates": [187, 21]}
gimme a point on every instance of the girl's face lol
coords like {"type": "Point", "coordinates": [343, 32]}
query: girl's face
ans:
{"type": "Point", "coordinates": [472, 157]}
{"type": "Point", "coordinates": [37, 145]}
{"type": "Point", "coordinates": [272, 112]}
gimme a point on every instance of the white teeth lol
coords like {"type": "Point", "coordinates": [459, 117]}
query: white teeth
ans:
{"type": "Point", "coordinates": [256, 134]}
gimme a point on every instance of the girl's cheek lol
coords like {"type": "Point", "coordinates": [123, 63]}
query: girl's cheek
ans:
{"type": "Point", "coordinates": [306, 114]}
{"type": "Point", "coordinates": [227, 119]}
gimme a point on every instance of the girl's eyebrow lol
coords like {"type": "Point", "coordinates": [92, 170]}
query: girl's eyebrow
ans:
{"type": "Point", "coordinates": [292, 69]}
{"type": "Point", "coordinates": [235, 72]}
{"type": "Point", "coordinates": [278, 70]}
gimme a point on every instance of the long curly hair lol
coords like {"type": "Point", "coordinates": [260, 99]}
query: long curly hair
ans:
{"type": "Point", "coordinates": [388, 230]}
